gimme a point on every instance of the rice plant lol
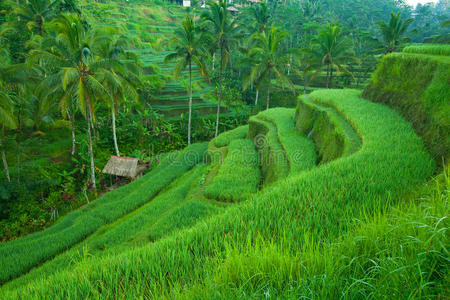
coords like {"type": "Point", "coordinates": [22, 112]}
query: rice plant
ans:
{"type": "Point", "coordinates": [238, 176]}
{"type": "Point", "coordinates": [433, 49]}
{"type": "Point", "coordinates": [300, 214]}
{"type": "Point", "coordinates": [19, 256]}
{"type": "Point", "coordinates": [300, 150]}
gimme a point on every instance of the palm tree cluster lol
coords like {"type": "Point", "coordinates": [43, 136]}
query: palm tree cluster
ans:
{"type": "Point", "coordinates": [71, 65]}
{"type": "Point", "coordinates": [78, 68]}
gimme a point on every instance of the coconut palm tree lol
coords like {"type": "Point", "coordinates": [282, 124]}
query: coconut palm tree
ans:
{"type": "Point", "coordinates": [330, 49]}
{"type": "Point", "coordinates": [256, 18]}
{"type": "Point", "coordinates": [81, 71]}
{"type": "Point", "coordinates": [34, 12]}
{"type": "Point", "coordinates": [8, 121]}
{"type": "Point", "coordinates": [120, 77]}
{"type": "Point", "coordinates": [225, 32]}
{"type": "Point", "coordinates": [189, 48]}
{"type": "Point", "coordinates": [269, 59]}
{"type": "Point", "coordinates": [393, 33]}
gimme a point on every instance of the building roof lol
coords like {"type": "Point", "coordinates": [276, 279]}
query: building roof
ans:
{"type": "Point", "coordinates": [124, 166]}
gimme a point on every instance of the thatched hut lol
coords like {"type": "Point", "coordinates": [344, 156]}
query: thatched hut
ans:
{"type": "Point", "coordinates": [125, 167]}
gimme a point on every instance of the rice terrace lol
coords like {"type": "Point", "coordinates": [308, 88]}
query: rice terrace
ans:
{"type": "Point", "coordinates": [245, 149]}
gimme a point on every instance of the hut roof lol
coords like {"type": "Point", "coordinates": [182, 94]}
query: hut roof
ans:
{"type": "Point", "coordinates": [124, 166]}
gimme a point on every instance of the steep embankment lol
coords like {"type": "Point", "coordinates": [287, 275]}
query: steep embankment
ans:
{"type": "Point", "coordinates": [259, 247]}
{"type": "Point", "coordinates": [416, 83]}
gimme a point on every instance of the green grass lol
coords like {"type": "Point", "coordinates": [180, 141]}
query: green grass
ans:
{"type": "Point", "coordinates": [124, 229]}
{"type": "Point", "coordinates": [226, 137]}
{"type": "Point", "coordinates": [272, 157]}
{"type": "Point", "coordinates": [417, 86]}
{"type": "Point", "coordinates": [19, 256]}
{"type": "Point", "coordinates": [183, 216]}
{"type": "Point", "coordinates": [239, 175]}
{"type": "Point", "coordinates": [433, 49]}
{"type": "Point", "coordinates": [301, 214]}
{"type": "Point", "coordinates": [300, 150]}
{"type": "Point", "coordinates": [401, 254]}
{"type": "Point", "coordinates": [333, 136]}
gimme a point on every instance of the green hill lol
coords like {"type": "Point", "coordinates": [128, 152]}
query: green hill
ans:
{"type": "Point", "coordinates": [302, 179]}
{"type": "Point", "coordinates": [149, 26]}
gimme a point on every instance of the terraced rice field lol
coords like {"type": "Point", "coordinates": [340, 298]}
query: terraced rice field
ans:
{"type": "Point", "coordinates": [179, 231]}
{"type": "Point", "coordinates": [151, 28]}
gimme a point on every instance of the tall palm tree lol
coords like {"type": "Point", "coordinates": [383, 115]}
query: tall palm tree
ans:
{"type": "Point", "coordinates": [189, 48]}
{"type": "Point", "coordinates": [256, 18]}
{"type": "Point", "coordinates": [260, 17]}
{"type": "Point", "coordinates": [393, 33]}
{"type": "Point", "coordinates": [7, 120]}
{"type": "Point", "coordinates": [330, 49]}
{"type": "Point", "coordinates": [120, 77]}
{"type": "Point", "coordinates": [269, 59]}
{"type": "Point", "coordinates": [81, 70]}
{"type": "Point", "coordinates": [34, 12]}
{"type": "Point", "coordinates": [225, 33]}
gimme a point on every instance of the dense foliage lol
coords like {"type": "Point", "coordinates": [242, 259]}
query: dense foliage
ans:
{"type": "Point", "coordinates": [297, 203]}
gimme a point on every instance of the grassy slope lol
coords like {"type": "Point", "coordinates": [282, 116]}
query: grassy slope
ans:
{"type": "Point", "coordinates": [299, 150]}
{"type": "Point", "coordinates": [20, 255]}
{"type": "Point", "coordinates": [418, 86]}
{"type": "Point", "coordinates": [239, 175]}
{"type": "Point", "coordinates": [294, 215]}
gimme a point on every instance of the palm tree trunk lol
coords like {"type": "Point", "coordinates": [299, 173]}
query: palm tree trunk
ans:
{"type": "Point", "coordinates": [18, 17]}
{"type": "Point", "coordinates": [257, 95]}
{"type": "Point", "coordinates": [113, 115]}
{"type": "Point", "coordinates": [190, 103]}
{"type": "Point", "coordinates": [331, 78]}
{"type": "Point", "coordinates": [72, 124]}
{"type": "Point", "coordinates": [268, 90]}
{"type": "Point", "coordinates": [91, 152]}
{"type": "Point", "coordinates": [5, 162]}
{"type": "Point", "coordinates": [220, 96]}
{"type": "Point", "coordinates": [328, 75]}
{"type": "Point", "coordinates": [214, 58]}
{"type": "Point", "coordinates": [304, 84]}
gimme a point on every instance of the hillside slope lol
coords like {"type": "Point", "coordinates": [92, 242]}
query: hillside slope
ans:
{"type": "Point", "coordinates": [417, 84]}
{"type": "Point", "coordinates": [248, 248]}
{"type": "Point", "coordinates": [150, 25]}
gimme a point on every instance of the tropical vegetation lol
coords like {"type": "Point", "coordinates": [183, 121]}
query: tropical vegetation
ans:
{"type": "Point", "coordinates": [225, 150]}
